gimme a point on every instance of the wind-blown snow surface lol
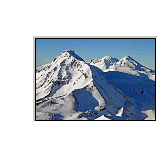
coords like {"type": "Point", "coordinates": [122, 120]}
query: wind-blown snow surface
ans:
{"type": "Point", "coordinates": [70, 89]}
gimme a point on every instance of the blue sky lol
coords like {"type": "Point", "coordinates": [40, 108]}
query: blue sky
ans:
{"type": "Point", "coordinates": [142, 50]}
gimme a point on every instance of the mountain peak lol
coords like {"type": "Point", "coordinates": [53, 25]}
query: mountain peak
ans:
{"type": "Point", "coordinates": [69, 53]}
{"type": "Point", "coordinates": [107, 57]}
{"type": "Point", "coordinates": [104, 63]}
{"type": "Point", "coordinates": [128, 58]}
{"type": "Point", "coordinates": [72, 53]}
{"type": "Point", "coordinates": [128, 61]}
{"type": "Point", "coordinates": [111, 59]}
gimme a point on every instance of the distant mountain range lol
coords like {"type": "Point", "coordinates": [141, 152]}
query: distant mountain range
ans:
{"type": "Point", "coordinates": [68, 88]}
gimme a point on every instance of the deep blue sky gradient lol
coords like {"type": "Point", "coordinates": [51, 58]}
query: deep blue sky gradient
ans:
{"type": "Point", "coordinates": [142, 50]}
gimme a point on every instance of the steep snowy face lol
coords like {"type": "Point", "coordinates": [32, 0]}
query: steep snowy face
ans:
{"type": "Point", "coordinates": [130, 66]}
{"type": "Point", "coordinates": [109, 60]}
{"type": "Point", "coordinates": [104, 63]}
{"type": "Point", "coordinates": [128, 62]}
{"type": "Point", "coordinates": [64, 74]}
{"type": "Point", "coordinates": [72, 53]}
{"type": "Point", "coordinates": [131, 63]}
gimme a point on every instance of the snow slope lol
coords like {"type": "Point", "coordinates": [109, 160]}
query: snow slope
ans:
{"type": "Point", "coordinates": [70, 89]}
{"type": "Point", "coordinates": [135, 80]}
{"type": "Point", "coordinates": [66, 73]}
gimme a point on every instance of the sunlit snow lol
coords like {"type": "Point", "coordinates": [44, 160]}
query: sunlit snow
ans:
{"type": "Point", "coordinates": [68, 88]}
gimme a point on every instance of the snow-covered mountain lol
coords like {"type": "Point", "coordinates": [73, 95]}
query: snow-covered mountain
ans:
{"type": "Point", "coordinates": [64, 74]}
{"type": "Point", "coordinates": [70, 89]}
{"type": "Point", "coordinates": [135, 80]}
{"type": "Point", "coordinates": [104, 63]}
